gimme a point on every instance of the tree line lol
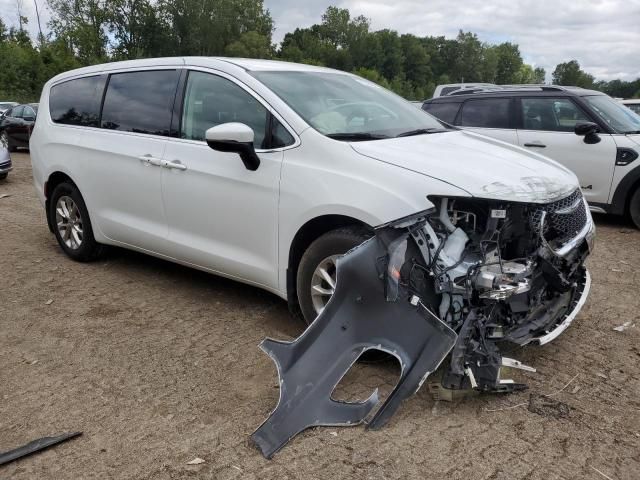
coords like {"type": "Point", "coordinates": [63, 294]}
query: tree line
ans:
{"type": "Point", "coordinates": [86, 32]}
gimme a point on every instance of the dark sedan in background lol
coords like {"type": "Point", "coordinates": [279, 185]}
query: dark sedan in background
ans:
{"type": "Point", "coordinates": [16, 126]}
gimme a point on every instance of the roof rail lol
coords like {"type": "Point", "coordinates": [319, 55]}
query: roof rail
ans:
{"type": "Point", "coordinates": [509, 88]}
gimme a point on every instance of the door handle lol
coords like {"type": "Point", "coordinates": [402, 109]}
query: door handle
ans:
{"type": "Point", "coordinates": [535, 145]}
{"type": "Point", "coordinates": [149, 159]}
{"type": "Point", "coordinates": [175, 164]}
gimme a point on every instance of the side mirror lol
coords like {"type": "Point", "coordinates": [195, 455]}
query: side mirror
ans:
{"type": "Point", "coordinates": [234, 137]}
{"type": "Point", "coordinates": [589, 131]}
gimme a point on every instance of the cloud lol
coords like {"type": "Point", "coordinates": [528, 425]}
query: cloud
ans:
{"type": "Point", "coordinates": [603, 35]}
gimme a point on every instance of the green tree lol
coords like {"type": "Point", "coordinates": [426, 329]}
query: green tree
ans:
{"type": "Point", "coordinates": [570, 73]}
{"type": "Point", "coordinates": [250, 45]}
{"type": "Point", "coordinates": [509, 64]}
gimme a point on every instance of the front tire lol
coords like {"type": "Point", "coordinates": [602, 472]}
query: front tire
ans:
{"type": "Point", "coordinates": [3, 176]}
{"type": "Point", "coordinates": [634, 207]}
{"type": "Point", "coordinates": [71, 225]}
{"type": "Point", "coordinates": [316, 276]}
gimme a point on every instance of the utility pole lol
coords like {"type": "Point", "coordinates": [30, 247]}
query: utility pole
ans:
{"type": "Point", "coordinates": [39, 26]}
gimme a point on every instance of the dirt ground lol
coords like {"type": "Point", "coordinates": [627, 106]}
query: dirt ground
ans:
{"type": "Point", "coordinates": [158, 364]}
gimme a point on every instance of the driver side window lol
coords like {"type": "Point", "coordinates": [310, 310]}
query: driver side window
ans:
{"type": "Point", "coordinates": [211, 100]}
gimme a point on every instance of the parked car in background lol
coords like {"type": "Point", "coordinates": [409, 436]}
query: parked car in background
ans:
{"type": "Point", "coordinates": [584, 130]}
{"type": "Point", "coordinates": [4, 106]}
{"type": "Point", "coordinates": [447, 89]}
{"type": "Point", "coordinates": [17, 124]}
{"type": "Point", "coordinates": [5, 162]}
{"type": "Point", "coordinates": [633, 104]}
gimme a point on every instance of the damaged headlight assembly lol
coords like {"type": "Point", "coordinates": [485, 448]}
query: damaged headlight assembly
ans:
{"type": "Point", "coordinates": [461, 280]}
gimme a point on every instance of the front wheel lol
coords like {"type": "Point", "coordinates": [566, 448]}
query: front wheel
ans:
{"type": "Point", "coordinates": [3, 176]}
{"type": "Point", "coordinates": [634, 207]}
{"type": "Point", "coordinates": [70, 219]}
{"type": "Point", "coordinates": [316, 279]}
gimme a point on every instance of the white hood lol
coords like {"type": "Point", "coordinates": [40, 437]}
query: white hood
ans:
{"type": "Point", "coordinates": [482, 166]}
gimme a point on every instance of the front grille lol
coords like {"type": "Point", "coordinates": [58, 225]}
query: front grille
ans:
{"type": "Point", "coordinates": [564, 220]}
{"type": "Point", "coordinates": [4, 165]}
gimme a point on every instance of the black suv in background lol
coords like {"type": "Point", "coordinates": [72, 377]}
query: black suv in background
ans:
{"type": "Point", "coordinates": [586, 131]}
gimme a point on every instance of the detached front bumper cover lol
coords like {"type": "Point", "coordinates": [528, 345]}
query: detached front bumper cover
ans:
{"type": "Point", "coordinates": [358, 318]}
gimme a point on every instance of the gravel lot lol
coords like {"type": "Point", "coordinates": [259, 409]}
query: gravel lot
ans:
{"type": "Point", "coordinates": [158, 364]}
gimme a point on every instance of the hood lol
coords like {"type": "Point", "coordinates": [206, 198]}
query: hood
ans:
{"type": "Point", "coordinates": [482, 166]}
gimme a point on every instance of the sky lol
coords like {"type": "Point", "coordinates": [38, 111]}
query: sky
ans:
{"type": "Point", "coordinates": [603, 35]}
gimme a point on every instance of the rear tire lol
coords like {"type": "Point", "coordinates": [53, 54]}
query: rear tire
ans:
{"type": "Point", "coordinates": [321, 254]}
{"type": "Point", "coordinates": [634, 207]}
{"type": "Point", "coordinates": [71, 225]}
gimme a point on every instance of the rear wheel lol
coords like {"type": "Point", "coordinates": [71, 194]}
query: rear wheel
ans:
{"type": "Point", "coordinates": [71, 225]}
{"type": "Point", "coordinates": [316, 279]}
{"type": "Point", "coordinates": [634, 207]}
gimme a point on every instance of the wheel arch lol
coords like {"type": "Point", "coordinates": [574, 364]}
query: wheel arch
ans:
{"type": "Point", "coordinates": [623, 192]}
{"type": "Point", "coordinates": [53, 180]}
{"type": "Point", "coordinates": [303, 238]}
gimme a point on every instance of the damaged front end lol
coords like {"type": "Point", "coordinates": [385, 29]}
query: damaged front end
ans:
{"type": "Point", "coordinates": [465, 277]}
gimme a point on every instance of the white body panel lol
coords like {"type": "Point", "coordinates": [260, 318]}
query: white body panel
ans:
{"type": "Point", "coordinates": [593, 164]}
{"type": "Point", "coordinates": [218, 216]}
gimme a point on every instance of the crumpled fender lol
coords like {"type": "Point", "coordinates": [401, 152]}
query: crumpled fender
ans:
{"type": "Point", "coordinates": [358, 318]}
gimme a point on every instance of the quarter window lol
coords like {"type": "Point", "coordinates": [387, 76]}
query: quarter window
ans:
{"type": "Point", "coordinates": [444, 111]}
{"type": "Point", "coordinates": [211, 100]}
{"type": "Point", "coordinates": [77, 102]}
{"type": "Point", "coordinates": [140, 102]}
{"type": "Point", "coordinates": [486, 113]}
{"type": "Point", "coordinates": [551, 114]}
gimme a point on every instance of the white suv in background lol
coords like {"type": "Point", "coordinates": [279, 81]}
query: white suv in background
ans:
{"type": "Point", "coordinates": [584, 130]}
{"type": "Point", "coordinates": [266, 172]}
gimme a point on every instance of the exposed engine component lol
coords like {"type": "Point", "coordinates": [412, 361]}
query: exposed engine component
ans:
{"type": "Point", "coordinates": [463, 278]}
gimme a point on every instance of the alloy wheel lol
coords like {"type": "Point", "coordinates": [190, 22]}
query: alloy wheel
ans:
{"type": "Point", "coordinates": [69, 222]}
{"type": "Point", "coordinates": [323, 283]}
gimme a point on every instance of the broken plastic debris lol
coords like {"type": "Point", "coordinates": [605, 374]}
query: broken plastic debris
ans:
{"type": "Point", "coordinates": [357, 318]}
{"type": "Point", "coordinates": [35, 446]}
{"type": "Point", "coordinates": [49, 302]}
{"type": "Point", "coordinates": [624, 326]}
{"type": "Point", "coordinates": [196, 461]}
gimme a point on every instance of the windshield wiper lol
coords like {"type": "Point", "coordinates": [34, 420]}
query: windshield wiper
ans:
{"type": "Point", "coordinates": [356, 136]}
{"type": "Point", "coordinates": [421, 131]}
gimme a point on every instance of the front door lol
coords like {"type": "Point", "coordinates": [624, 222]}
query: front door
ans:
{"type": "Point", "coordinates": [222, 216]}
{"type": "Point", "coordinates": [547, 125]}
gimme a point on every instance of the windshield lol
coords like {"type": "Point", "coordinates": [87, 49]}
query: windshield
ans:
{"type": "Point", "coordinates": [617, 116]}
{"type": "Point", "coordinates": [348, 107]}
{"type": "Point", "coordinates": [6, 106]}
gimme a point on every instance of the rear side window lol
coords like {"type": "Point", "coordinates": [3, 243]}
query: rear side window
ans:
{"type": "Point", "coordinates": [444, 111]}
{"type": "Point", "coordinates": [77, 102]}
{"type": "Point", "coordinates": [140, 102]}
{"type": "Point", "coordinates": [486, 113]}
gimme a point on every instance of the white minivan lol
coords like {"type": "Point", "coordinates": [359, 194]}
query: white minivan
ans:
{"type": "Point", "coordinates": [266, 172]}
